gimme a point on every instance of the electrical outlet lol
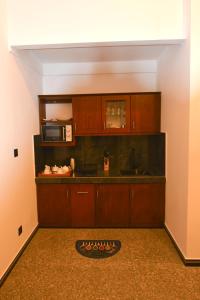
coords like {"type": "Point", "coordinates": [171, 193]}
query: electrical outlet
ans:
{"type": "Point", "coordinates": [20, 230]}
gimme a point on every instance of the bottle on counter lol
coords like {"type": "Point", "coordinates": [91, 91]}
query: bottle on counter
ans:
{"type": "Point", "coordinates": [72, 165]}
{"type": "Point", "coordinates": [106, 162]}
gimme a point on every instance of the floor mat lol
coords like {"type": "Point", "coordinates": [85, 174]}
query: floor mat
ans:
{"type": "Point", "coordinates": [98, 248]}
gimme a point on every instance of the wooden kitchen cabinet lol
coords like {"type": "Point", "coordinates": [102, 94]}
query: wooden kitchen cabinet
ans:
{"type": "Point", "coordinates": [87, 114]}
{"type": "Point", "coordinates": [82, 198]}
{"type": "Point", "coordinates": [137, 113]}
{"type": "Point", "coordinates": [112, 205]}
{"type": "Point", "coordinates": [53, 205]}
{"type": "Point", "coordinates": [147, 205]}
{"type": "Point", "coordinates": [104, 114]}
{"type": "Point", "coordinates": [63, 205]}
{"type": "Point", "coordinates": [145, 113]}
{"type": "Point", "coordinates": [101, 205]}
{"type": "Point", "coordinates": [116, 113]}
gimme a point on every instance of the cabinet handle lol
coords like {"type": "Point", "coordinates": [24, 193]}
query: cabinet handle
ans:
{"type": "Point", "coordinates": [97, 194]}
{"type": "Point", "coordinates": [67, 194]}
{"type": "Point", "coordinates": [82, 192]}
{"type": "Point", "coordinates": [64, 134]}
{"type": "Point", "coordinates": [133, 124]}
{"type": "Point", "coordinates": [132, 194]}
{"type": "Point", "coordinates": [75, 127]}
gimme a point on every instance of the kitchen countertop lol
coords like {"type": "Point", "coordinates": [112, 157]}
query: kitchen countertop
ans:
{"type": "Point", "coordinates": [102, 178]}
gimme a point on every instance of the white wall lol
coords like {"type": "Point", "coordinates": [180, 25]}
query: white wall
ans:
{"type": "Point", "coordinates": [179, 73]}
{"type": "Point", "coordinates": [36, 22]}
{"type": "Point", "coordinates": [193, 247]}
{"type": "Point", "coordinates": [18, 123]}
{"type": "Point", "coordinates": [100, 77]}
{"type": "Point", "coordinates": [173, 81]}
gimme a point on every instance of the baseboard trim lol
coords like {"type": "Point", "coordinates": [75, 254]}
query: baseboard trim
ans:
{"type": "Point", "coordinates": [3, 278]}
{"type": "Point", "coordinates": [187, 262]}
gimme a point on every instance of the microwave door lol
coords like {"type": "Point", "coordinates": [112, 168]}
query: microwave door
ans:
{"type": "Point", "coordinates": [52, 133]}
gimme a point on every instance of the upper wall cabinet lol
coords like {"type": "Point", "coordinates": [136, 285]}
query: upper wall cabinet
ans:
{"type": "Point", "coordinates": [87, 114]}
{"type": "Point", "coordinates": [145, 113]}
{"type": "Point", "coordinates": [107, 114]}
{"type": "Point", "coordinates": [137, 113]}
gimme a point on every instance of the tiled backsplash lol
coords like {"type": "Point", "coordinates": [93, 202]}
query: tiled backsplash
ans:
{"type": "Point", "coordinates": [143, 152]}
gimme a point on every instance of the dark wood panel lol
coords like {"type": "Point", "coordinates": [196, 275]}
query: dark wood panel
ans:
{"type": "Point", "coordinates": [82, 205]}
{"type": "Point", "coordinates": [112, 205]}
{"type": "Point", "coordinates": [145, 113]}
{"type": "Point", "coordinates": [53, 205]}
{"type": "Point", "coordinates": [147, 205]}
{"type": "Point", "coordinates": [87, 114]}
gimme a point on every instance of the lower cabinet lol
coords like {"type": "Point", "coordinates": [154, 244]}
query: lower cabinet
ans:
{"type": "Point", "coordinates": [101, 205]}
{"type": "Point", "coordinates": [82, 198]}
{"type": "Point", "coordinates": [147, 205]}
{"type": "Point", "coordinates": [53, 205]}
{"type": "Point", "coordinates": [112, 205]}
{"type": "Point", "coordinates": [63, 205]}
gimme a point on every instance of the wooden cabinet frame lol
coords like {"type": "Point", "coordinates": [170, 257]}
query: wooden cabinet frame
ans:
{"type": "Point", "coordinates": [54, 99]}
{"type": "Point", "coordinates": [142, 113]}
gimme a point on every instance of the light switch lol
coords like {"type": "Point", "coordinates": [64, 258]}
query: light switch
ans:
{"type": "Point", "coordinates": [15, 152]}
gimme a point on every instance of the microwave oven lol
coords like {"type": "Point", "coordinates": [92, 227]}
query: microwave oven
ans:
{"type": "Point", "coordinates": [56, 133]}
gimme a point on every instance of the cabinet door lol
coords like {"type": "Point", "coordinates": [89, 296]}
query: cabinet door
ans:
{"type": "Point", "coordinates": [87, 115]}
{"type": "Point", "coordinates": [82, 205]}
{"type": "Point", "coordinates": [116, 113]}
{"type": "Point", "coordinates": [112, 205]}
{"type": "Point", "coordinates": [53, 205]}
{"type": "Point", "coordinates": [145, 113]}
{"type": "Point", "coordinates": [147, 205]}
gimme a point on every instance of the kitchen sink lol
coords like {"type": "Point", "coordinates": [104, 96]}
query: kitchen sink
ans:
{"type": "Point", "coordinates": [87, 170]}
{"type": "Point", "coordinates": [135, 172]}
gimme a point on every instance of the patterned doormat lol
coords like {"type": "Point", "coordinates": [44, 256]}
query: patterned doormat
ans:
{"type": "Point", "coordinates": [98, 248]}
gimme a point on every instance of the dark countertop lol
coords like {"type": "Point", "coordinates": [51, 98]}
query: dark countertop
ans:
{"type": "Point", "coordinates": [104, 178]}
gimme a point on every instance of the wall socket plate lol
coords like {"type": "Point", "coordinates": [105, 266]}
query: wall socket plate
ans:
{"type": "Point", "coordinates": [20, 230]}
{"type": "Point", "coordinates": [15, 152]}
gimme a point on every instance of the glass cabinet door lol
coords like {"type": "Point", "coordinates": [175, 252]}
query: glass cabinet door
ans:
{"type": "Point", "coordinates": [116, 113]}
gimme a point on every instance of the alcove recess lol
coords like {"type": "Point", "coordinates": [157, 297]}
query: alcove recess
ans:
{"type": "Point", "coordinates": [56, 109]}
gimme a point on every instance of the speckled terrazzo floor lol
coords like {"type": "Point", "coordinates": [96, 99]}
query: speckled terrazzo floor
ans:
{"type": "Point", "coordinates": [147, 267]}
